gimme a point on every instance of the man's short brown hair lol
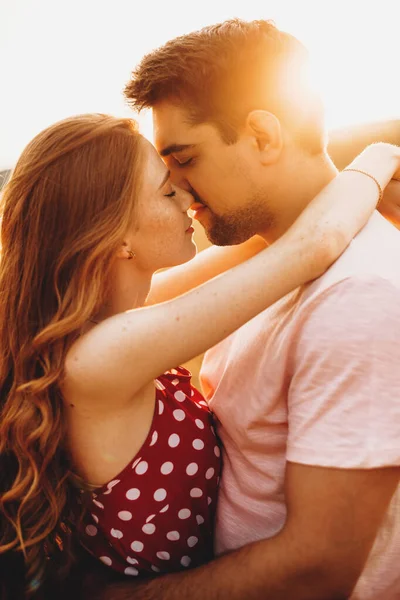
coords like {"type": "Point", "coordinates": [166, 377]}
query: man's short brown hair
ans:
{"type": "Point", "coordinates": [222, 72]}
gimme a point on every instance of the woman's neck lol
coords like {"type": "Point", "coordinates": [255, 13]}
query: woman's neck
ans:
{"type": "Point", "coordinates": [129, 289]}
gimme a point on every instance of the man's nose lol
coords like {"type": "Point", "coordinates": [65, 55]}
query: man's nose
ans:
{"type": "Point", "coordinates": [178, 179]}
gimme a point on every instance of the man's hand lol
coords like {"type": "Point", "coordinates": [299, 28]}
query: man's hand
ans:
{"type": "Point", "coordinates": [390, 204]}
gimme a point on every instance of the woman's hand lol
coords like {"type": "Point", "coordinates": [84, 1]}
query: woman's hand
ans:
{"type": "Point", "coordinates": [390, 204]}
{"type": "Point", "coordinates": [343, 207]}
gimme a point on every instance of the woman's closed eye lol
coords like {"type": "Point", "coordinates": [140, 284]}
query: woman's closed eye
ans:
{"type": "Point", "coordinates": [171, 194]}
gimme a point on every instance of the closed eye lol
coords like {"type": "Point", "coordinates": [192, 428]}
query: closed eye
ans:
{"type": "Point", "coordinates": [171, 195]}
{"type": "Point", "coordinates": [184, 163]}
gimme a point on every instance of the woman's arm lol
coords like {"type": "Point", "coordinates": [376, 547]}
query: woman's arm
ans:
{"type": "Point", "coordinates": [390, 205]}
{"type": "Point", "coordinates": [217, 259]}
{"type": "Point", "coordinates": [207, 264]}
{"type": "Point", "coordinates": [125, 352]}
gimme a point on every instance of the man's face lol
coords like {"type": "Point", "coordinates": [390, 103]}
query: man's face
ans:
{"type": "Point", "coordinates": [225, 180]}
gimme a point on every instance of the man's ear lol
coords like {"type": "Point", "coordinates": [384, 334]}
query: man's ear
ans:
{"type": "Point", "coordinates": [266, 130]}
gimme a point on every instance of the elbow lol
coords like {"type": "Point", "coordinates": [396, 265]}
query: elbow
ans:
{"type": "Point", "coordinates": [328, 247]}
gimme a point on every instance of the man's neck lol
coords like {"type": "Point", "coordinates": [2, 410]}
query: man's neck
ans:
{"type": "Point", "coordinates": [306, 181]}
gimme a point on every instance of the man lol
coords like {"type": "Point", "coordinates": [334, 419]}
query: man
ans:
{"type": "Point", "coordinates": [307, 394]}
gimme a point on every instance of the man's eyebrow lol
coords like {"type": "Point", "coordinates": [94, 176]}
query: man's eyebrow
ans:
{"type": "Point", "coordinates": [175, 148]}
{"type": "Point", "coordinates": [165, 179]}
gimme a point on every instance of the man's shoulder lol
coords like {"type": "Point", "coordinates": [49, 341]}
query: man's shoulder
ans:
{"type": "Point", "coordinates": [373, 256]}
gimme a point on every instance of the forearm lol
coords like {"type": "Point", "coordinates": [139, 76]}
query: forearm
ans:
{"type": "Point", "coordinates": [266, 570]}
{"type": "Point", "coordinates": [207, 264]}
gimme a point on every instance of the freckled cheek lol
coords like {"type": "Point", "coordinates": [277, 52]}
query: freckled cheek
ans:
{"type": "Point", "coordinates": [166, 231]}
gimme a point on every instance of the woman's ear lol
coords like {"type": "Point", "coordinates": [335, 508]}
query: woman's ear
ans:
{"type": "Point", "coordinates": [125, 251]}
{"type": "Point", "coordinates": [266, 130]}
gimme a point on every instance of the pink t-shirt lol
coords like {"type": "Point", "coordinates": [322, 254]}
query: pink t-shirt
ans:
{"type": "Point", "coordinates": [315, 380]}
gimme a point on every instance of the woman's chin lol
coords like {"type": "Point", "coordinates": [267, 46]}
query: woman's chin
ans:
{"type": "Point", "coordinates": [189, 253]}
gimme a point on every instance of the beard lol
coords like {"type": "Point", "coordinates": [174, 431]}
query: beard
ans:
{"type": "Point", "coordinates": [239, 226]}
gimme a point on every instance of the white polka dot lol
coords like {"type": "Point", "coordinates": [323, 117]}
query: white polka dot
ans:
{"type": "Point", "coordinates": [180, 396]}
{"type": "Point", "coordinates": [163, 555]}
{"type": "Point", "coordinates": [137, 546]}
{"type": "Point", "coordinates": [199, 424]}
{"type": "Point", "coordinates": [209, 500]}
{"type": "Point", "coordinates": [150, 518]}
{"type": "Point", "coordinates": [125, 515]}
{"type": "Point", "coordinates": [160, 407]}
{"type": "Point", "coordinates": [217, 451]}
{"type": "Point", "coordinates": [198, 444]}
{"type": "Point", "coordinates": [179, 415]}
{"type": "Point", "coordinates": [154, 438]}
{"type": "Point", "coordinates": [196, 493]}
{"type": "Point", "coordinates": [167, 468]}
{"type": "Point", "coordinates": [106, 560]}
{"type": "Point", "coordinates": [174, 372]}
{"type": "Point", "coordinates": [173, 440]}
{"type": "Point", "coordinates": [159, 385]}
{"type": "Point", "coordinates": [110, 486]}
{"type": "Point", "coordinates": [149, 528]}
{"type": "Point", "coordinates": [160, 495]}
{"type": "Point", "coordinates": [175, 381]}
{"type": "Point", "coordinates": [133, 494]}
{"type": "Point", "coordinates": [91, 530]}
{"type": "Point", "coordinates": [95, 519]}
{"type": "Point", "coordinates": [213, 430]}
{"type": "Point", "coordinates": [131, 571]}
{"type": "Point", "coordinates": [173, 536]}
{"type": "Point", "coordinates": [192, 541]}
{"type": "Point", "coordinates": [136, 462]}
{"type": "Point", "coordinates": [185, 561]}
{"type": "Point", "coordinates": [184, 513]}
{"type": "Point", "coordinates": [199, 520]}
{"type": "Point", "coordinates": [163, 510]}
{"type": "Point", "coordinates": [210, 473]}
{"type": "Point", "coordinates": [203, 403]}
{"type": "Point", "coordinates": [142, 468]}
{"type": "Point", "coordinates": [131, 561]}
{"type": "Point", "coordinates": [97, 503]}
{"type": "Point", "coordinates": [192, 392]}
{"type": "Point", "coordinates": [155, 569]}
{"type": "Point", "coordinates": [116, 533]}
{"type": "Point", "coordinates": [192, 469]}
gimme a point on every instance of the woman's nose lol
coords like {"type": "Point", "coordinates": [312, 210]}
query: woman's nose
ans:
{"type": "Point", "coordinates": [186, 199]}
{"type": "Point", "coordinates": [179, 180]}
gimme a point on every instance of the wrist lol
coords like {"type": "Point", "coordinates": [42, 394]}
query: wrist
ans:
{"type": "Point", "coordinates": [381, 161]}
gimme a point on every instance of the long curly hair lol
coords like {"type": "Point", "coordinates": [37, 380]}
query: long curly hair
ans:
{"type": "Point", "coordinates": [65, 211]}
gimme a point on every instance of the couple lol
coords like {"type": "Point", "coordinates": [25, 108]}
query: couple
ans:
{"type": "Point", "coordinates": [304, 396]}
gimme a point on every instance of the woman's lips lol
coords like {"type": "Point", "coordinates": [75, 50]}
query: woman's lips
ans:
{"type": "Point", "coordinates": [190, 228]}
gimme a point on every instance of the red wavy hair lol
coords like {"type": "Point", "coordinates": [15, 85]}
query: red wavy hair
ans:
{"type": "Point", "coordinates": [65, 211]}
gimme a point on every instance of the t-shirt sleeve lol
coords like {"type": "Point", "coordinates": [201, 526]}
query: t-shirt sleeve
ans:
{"type": "Point", "coordinates": [344, 389]}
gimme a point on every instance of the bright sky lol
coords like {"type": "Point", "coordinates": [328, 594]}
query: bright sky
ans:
{"type": "Point", "coordinates": [60, 58]}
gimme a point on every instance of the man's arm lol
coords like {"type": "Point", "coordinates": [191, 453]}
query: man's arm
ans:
{"type": "Point", "coordinates": [343, 412]}
{"type": "Point", "coordinates": [333, 517]}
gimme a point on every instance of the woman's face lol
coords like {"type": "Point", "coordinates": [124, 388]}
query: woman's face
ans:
{"type": "Point", "coordinates": [163, 236]}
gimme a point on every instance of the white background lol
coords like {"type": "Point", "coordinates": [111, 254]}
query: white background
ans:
{"type": "Point", "coordinates": [60, 58]}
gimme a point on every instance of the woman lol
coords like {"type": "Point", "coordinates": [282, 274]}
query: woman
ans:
{"type": "Point", "coordinates": [87, 421]}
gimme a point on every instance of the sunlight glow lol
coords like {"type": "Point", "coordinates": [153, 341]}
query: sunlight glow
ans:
{"type": "Point", "coordinates": [62, 58]}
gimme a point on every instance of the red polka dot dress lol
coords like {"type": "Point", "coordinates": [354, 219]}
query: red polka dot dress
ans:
{"type": "Point", "coordinates": [157, 515]}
